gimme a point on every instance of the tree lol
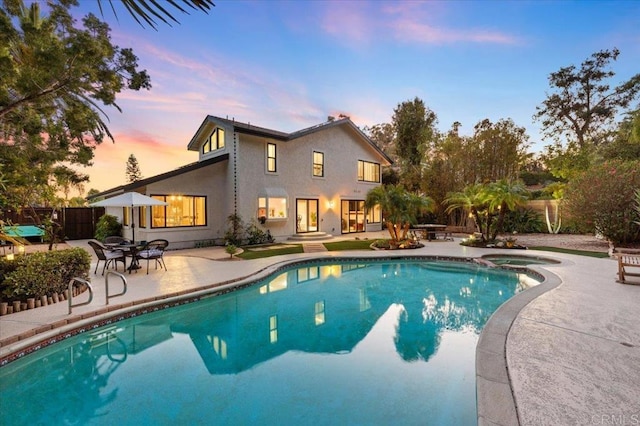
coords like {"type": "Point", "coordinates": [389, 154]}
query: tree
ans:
{"type": "Point", "coordinates": [414, 125]}
{"type": "Point", "coordinates": [471, 201]}
{"type": "Point", "coordinates": [92, 192]}
{"type": "Point", "coordinates": [55, 77]}
{"type": "Point", "coordinates": [133, 169]}
{"type": "Point", "coordinates": [583, 106]}
{"type": "Point", "coordinates": [486, 201]}
{"type": "Point", "coordinates": [384, 136]}
{"type": "Point", "coordinates": [626, 142]}
{"type": "Point", "coordinates": [399, 208]}
{"type": "Point", "coordinates": [601, 197]}
{"type": "Point", "coordinates": [504, 196]}
{"type": "Point", "coordinates": [500, 149]}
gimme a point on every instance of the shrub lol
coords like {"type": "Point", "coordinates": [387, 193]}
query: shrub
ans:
{"type": "Point", "coordinates": [235, 230]}
{"type": "Point", "coordinates": [44, 273]}
{"type": "Point", "coordinates": [230, 249]}
{"type": "Point", "coordinates": [255, 235]}
{"type": "Point", "coordinates": [601, 198]}
{"type": "Point", "coordinates": [107, 226]}
{"type": "Point", "coordinates": [523, 221]}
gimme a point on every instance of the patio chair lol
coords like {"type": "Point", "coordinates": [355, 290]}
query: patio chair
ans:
{"type": "Point", "coordinates": [154, 250]}
{"type": "Point", "coordinates": [107, 255]}
{"type": "Point", "coordinates": [114, 239]}
{"type": "Point", "coordinates": [628, 259]}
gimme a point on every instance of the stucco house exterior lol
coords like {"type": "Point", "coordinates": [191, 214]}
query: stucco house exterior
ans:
{"type": "Point", "coordinates": [312, 182]}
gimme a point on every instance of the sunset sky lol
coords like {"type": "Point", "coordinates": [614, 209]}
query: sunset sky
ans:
{"type": "Point", "coordinates": [287, 65]}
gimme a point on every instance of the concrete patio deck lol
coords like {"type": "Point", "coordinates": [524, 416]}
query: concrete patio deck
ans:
{"type": "Point", "coordinates": [565, 352]}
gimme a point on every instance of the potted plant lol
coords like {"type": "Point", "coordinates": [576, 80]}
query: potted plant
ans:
{"type": "Point", "coordinates": [510, 242]}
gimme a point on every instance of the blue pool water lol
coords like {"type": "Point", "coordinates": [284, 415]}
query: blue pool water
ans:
{"type": "Point", "coordinates": [350, 343]}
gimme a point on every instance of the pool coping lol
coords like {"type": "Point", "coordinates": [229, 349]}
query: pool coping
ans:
{"type": "Point", "coordinates": [495, 400]}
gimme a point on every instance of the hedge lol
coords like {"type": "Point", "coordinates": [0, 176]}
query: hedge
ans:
{"type": "Point", "coordinates": [42, 274]}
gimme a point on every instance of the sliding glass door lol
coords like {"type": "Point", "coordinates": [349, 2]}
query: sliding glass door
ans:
{"type": "Point", "coordinates": [307, 215]}
{"type": "Point", "coordinates": [353, 217]}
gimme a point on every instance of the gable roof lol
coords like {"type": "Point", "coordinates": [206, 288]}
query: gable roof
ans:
{"type": "Point", "coordinates": [144, 182]}
{"type": "Point", "coordinates": [210, 122]}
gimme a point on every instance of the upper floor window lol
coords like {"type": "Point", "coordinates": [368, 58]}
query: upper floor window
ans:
{"type": "Point", "coordinates": [271, 157]}
{"type": "Point", "coordinates": [215, 141]}
{"type": "Point", "coordinates": [368, 171]}
{"type": "Point", "coordinates": [318, 164]}
{"type": "Point", "coordinates": [182, 210]}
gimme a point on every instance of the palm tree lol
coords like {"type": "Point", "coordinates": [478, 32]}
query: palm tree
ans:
{"type": "Point", "coordinates": [472, 201]}
{"type": "Point", "coordinates": [503, 196]}
{"type": "Point", "coordinates": [399, 208]}
{"type": "Point", "coordinates": [485, 201]}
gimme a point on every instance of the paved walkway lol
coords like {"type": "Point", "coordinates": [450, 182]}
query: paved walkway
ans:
{"type": "Point", "coordinates": [572, 353]}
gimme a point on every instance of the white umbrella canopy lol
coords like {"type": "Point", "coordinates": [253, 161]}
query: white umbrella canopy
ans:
{"type": "Point", "coordinates": [129, 199]}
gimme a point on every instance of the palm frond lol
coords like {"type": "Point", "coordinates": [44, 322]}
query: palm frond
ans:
{"type": "Point", "coordinates": [152, 11]}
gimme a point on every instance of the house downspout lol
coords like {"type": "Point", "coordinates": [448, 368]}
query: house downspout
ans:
{"type": "Point", "coordinates": [235, 174]}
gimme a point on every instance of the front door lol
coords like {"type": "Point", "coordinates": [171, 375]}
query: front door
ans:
{"type": "Point", "coordinates": [307, 215]}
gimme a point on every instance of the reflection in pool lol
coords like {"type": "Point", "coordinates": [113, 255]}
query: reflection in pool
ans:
{"type": "Point", "coordinates": [351, 343]}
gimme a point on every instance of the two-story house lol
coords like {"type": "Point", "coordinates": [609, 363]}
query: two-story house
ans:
{"type": "Point", "coordinates": [313, 181]}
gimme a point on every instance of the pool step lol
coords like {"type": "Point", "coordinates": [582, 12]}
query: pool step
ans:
{"type": "Point", "coordinates": [313, 247]}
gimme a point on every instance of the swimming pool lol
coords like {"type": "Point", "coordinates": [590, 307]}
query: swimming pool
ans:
{"type": "Point", "coordinates": [346, 343]}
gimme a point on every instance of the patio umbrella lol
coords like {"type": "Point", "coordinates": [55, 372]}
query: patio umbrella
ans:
{"type": "Point", "coordinates": [129, 199]}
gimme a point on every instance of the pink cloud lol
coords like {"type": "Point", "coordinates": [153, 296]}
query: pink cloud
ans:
{"type": "Point", "coordinates": [409, 22]}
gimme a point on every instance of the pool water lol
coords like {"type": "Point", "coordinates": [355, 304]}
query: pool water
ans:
{"type": "Point", "coordinates": [349, 343]}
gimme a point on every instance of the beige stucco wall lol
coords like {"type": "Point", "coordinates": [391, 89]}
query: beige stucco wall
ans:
{"type": "Point", "coordinates": [341, 149]}
{"type": "Point", "coordinates": [240, 180]}
{"type": "Point", "coordinates": [211, 182]}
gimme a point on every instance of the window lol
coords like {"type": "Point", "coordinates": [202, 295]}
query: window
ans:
{"type": "Point", "coordinates": [215, 141]}
{"type": "Point", "coordinates": [126, 216]}
{"type": "Point", "coordinates": [318, 164]}
{"type": "Point", "coordinates": [319, 312]}
{"type": "Point", "coordinates": [368, 172]}
{"type": "Point", "coordinates": [273, 329]}
{"type": "Point", "coordinates": [271, 157]}
{"type": "Point", "coordinates": [272, 207]}
{"type": "Point", "coordinates": [374, 215]}
{"type": "Point", "coordinates": [142, 216]}
{"type": "Point", "coordinates": [182, 210]}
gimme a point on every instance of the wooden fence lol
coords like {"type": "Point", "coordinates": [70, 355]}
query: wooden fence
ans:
{"type": "Point", "coordinates": [77, 223]}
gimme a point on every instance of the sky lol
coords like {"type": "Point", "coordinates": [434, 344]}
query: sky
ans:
{"type": "Point", "coordinates": [288, 65]}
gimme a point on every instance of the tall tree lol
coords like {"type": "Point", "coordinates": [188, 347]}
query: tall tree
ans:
{"type": "Point", "coordinates": [384, 136]}
{"type": "Point", "coordinates": [55, 78]}
{"type": "Point", "coordinates": [414, 124]}
{"type": "Point", "coordinates": [582, 105]}
{"type": "Point", "coordinates": [133, 169]}
{"type": "Point", "coordinates": [500, 149]}
{"type": "Point", "coordinates": [626, 142]}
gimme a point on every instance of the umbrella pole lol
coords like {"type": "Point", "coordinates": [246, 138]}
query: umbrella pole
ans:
{"type": "Point", "coordinates": [133, 227]}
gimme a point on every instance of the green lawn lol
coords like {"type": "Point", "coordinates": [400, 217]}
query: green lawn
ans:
{"type": "Point", "coordinates": [266, 252]}
{"type": "Point", "coordinates": [349, 245]}
{"type": "Point", "coordinates": [569, 251]}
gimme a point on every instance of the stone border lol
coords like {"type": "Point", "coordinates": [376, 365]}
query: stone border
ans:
{"type": "Point", "coordinates": [496, 404]}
